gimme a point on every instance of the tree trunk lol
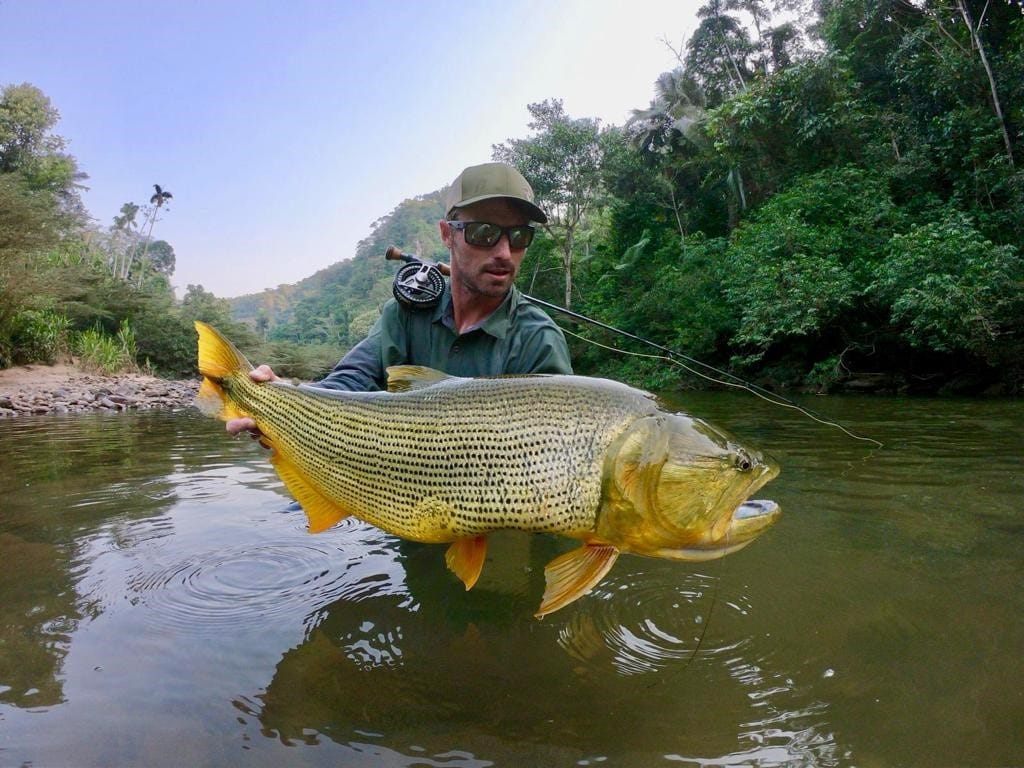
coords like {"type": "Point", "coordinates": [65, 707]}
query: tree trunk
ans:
{"type": "Point", "coordinates": [976, 41]}
{"type": "Point", "coordinates": [567, 264]}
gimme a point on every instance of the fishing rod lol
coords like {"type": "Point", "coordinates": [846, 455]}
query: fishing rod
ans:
{"type": "Point", "coordinates": [419, 284]}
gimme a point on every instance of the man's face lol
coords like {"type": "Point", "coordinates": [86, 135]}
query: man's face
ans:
{"type": "Point", "coordinates": [484, 271]}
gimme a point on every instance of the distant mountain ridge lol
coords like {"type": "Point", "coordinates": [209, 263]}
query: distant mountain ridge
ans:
{"type": "Point", "coordinates": [335, 304]}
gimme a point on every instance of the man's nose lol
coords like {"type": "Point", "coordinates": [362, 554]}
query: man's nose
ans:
{"type": "Point", "coordinates": [503, 248]}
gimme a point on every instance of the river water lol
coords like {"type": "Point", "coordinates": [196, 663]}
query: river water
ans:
{"type": "Point", "coordinates": [161, 605]}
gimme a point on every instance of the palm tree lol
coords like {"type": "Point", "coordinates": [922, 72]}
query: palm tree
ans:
{"type": "Point", "coordinates": [670, 126]}
{"type": "Point", "coordinates": [678, 106]}
{"type": "Point", "coordinates": [158, 199]}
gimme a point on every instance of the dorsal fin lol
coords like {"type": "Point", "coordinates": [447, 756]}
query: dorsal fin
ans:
{"type": "Point", "coordinates": [403, 378]}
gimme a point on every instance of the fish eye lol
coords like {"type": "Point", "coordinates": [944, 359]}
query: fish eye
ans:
{"type": "Point", "coordinates": [743, 462]}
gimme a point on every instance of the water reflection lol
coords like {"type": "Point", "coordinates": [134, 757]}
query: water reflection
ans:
{"type": "Point", "coordinates": [150, 571]}
{"type": "Point", "coordinates": [37, 616]}
{"type": "Point", "coordinates": [433, 665]}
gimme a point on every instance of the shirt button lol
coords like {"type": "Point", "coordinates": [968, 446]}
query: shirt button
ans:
{"type": "Point", "coordinates": [456, 349]}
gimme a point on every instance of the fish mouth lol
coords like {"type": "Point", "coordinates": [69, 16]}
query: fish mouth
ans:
{"type": "Point", "coordinates": [748, 521]}
{"type": "Point", "coordinates": [755, 508]}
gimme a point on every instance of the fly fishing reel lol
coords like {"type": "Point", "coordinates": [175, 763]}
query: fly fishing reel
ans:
{"type": "Point", "coordinates": [418, 284]}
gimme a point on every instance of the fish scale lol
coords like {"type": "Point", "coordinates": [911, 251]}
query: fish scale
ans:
{"type": "Point", "coordinates": [445, 462]}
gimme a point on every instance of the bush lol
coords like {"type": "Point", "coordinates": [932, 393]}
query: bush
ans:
{"type": "Point", "coordinates": [40, 336]}
{"type": "Point", "coordinates": [950, 289]}
{"type": "Point", "coordinates": [803, 260]}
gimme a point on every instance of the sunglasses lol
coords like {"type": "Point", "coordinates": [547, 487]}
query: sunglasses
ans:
{"type": "Point", "coordinates": [487, 235]}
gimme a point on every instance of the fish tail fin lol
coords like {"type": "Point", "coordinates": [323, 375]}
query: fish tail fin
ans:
{"type": "Point", "coordinates": [218, 359]}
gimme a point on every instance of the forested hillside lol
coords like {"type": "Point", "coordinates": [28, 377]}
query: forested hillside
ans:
{"type": "Point", "coordinates": [338, 304]}
{"type": "Point", "coordinates": [829, 199]}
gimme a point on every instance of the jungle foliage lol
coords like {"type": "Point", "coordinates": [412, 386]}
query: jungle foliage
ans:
{"type": "Point", "coordinates": [833, 199]}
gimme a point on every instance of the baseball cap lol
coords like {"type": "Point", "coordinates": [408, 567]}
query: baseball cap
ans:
{"type": "Point", "coordinates": [490, 180]}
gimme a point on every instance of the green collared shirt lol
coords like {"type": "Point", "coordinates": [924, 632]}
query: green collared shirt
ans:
{"type": "Point", "coordinates": [518, 337]}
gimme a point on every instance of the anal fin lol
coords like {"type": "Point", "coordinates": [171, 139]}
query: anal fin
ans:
{"type": "Point", "coordinates": [570, 576]}
{"type": "Point", "coordinates": [465, 558]}
{"type": "Point", "coordinates": [321, 512]}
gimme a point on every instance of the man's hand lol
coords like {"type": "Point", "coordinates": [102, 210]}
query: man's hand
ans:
{"type": "Point", "coordinates": [246, 424]}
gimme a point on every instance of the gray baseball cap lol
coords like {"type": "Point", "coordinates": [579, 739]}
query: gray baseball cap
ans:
{"type": "Point", "coordinates": [490, 180]}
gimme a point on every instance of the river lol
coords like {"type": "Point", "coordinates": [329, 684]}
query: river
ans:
{"type": "Point", "coordinates": [161, 605]}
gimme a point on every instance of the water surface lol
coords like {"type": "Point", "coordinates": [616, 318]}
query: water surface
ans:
{"type": "Point", "coordinates": [161, 605]}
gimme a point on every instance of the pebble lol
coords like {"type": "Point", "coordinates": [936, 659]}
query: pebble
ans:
{"type": "Point", "coordinates": [82, 393]}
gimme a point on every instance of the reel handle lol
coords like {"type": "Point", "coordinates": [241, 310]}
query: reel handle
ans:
{"type": "Point", "coordinates": [394, 253]}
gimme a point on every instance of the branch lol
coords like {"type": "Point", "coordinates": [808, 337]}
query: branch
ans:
{"type": "Point", "coordinates": [678, 54]}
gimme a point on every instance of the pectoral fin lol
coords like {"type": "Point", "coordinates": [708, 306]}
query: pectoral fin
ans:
{"type": "Point", "coordinates": [321, 512]}
{"type": "Point", "coordinates": [465, 558]}
{"type": "Point", "coordinates": [573, 574]}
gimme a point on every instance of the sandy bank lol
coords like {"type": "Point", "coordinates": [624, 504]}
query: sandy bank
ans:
{"type": "Point", "coordinates": [27, 390]}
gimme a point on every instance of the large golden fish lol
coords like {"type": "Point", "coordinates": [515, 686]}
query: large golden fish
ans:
{"type": "Point", "coordinates": [440, 459]}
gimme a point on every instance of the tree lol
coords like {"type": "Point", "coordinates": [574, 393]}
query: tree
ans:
{"type": "Point", "coordinates": [668, 137]}
{"type": "Point", "coordinates": [39, 202]}
{"type": "Point", "coordinates": [29, 148]}
{"type": "Point", "coordinates": [159, 198]}
{"type": "Point", "coordinates": [719, 53]}
{"type": "Point", "coordinates": [28, 226]}
{"type": "Point", "coordinates": [26, 118]}
{"type": "Point", "coordinates": [562, 162]}
{"type": "Point", "coordinates": [125, 238]}
{"type": "Point", "coordinates": [161, 257]}
{"type": "Point", "coordinates": [943, 15]}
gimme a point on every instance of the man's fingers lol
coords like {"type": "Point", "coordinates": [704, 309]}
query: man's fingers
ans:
{"type": "Point", "coordinates": [235, 426]}
{"type": "Point", "coordinates": [263, 373]}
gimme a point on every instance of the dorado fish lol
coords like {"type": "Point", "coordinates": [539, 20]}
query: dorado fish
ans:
{"type": "Point", "coordinates": [448, 460]}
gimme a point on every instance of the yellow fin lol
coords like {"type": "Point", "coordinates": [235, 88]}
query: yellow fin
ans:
{"type": "Point", "coordinates": [218, 357]}
{"type": "Point", "coordinates": [465, 558]}
{"type": "Point", "coordinates": [572, 575]}
{"type": "Point", "coordinates": [402, 378]}
{"type": "Point", "coordinates": [321, 512]}
{"type": "Point", "coordinates": [212, 401]}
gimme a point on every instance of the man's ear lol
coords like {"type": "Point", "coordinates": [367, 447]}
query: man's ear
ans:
{"type": "Point", "coordinates": [446, 233]}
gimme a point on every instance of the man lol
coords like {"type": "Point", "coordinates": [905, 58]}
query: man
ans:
{"type": "Point", "coordinates": [482, 326]}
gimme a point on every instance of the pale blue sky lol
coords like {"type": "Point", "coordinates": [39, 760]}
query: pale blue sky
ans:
{"type": "Point", "coordinates": [285, 129]}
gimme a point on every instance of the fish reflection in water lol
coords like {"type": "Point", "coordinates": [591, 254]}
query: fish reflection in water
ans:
{"type": "Point", "coordinates": [392, 656]}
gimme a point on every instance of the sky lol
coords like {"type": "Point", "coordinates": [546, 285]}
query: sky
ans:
{"type": "Point", "coordinates": [285, 129]}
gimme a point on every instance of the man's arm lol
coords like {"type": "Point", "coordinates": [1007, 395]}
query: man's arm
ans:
{"type": "Point", "coordinates": [358, 371]}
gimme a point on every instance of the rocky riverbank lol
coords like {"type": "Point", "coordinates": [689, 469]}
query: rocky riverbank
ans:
{"type": "Point", "coordinates": [29, 390]}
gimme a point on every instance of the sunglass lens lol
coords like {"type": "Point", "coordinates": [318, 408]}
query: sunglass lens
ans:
{"type": "Point", "coordinates": [482, 233]}
{"type": "Point", "coordinates": [520, 237]}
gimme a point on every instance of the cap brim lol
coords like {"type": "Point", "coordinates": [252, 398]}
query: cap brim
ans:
{"type": "Point", "coordinates": [536, 214]}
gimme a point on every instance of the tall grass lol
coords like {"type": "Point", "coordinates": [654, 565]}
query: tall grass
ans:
{"type": "Point", "coordinates": [106, 354]}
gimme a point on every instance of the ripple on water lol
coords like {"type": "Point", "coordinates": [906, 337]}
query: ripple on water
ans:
{"type": "Point", "coordinates": [245, 586]}
{"type": "Point", "coordinates": [640, 623]}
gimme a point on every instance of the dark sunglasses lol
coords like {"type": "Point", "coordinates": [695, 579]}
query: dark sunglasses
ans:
{"type": "Point", "coordinates": [487, 235]}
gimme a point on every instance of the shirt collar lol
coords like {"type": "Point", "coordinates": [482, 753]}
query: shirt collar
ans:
{"type": "Point", "coordinates": [496, 324]}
